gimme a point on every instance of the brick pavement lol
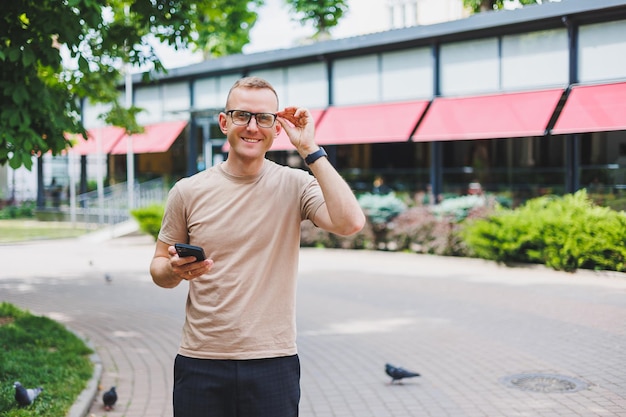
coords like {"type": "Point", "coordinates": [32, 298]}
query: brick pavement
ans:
{"type": "Point", "coordinates": [463, 324]}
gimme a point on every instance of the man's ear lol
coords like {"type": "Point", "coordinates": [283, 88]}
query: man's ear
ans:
{"type": "Point", "coordinates": [279, 128]}
{"type": "Point", "coordinates": [223, 122]}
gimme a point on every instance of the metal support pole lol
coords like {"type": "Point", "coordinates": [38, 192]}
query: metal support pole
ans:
{"type": "Point", "coordinates": [436, 170]}
{"type": "Point", "coordinates": [130, 156]}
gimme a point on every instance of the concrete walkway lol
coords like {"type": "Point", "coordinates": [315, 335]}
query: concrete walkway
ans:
{"type": "Point", "coordinates": [488, 340]}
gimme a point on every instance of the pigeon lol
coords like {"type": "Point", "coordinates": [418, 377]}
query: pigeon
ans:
{"type": "Point", "coordinates": [108, 278]}
{"type": "Point", "coordinates": [109, 398]}
{"type": "Point", "coordinates": [26, 396]}
{"type": "Point", "coordinates": [397, 374]}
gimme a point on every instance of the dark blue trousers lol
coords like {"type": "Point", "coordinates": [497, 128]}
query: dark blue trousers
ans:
{"type": "Point", "coordinates": [236, 388]}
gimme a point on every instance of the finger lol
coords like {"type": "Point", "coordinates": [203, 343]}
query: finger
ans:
{"type": "Point", "coordinates": [196, 269]}
{"type": "Point", "coordinates": [287, 111]}
{"type": "Point", "coordinates": [286, 121]}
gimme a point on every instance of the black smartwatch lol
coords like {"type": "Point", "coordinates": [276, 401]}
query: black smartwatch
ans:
{"type": "Point", "coordinates": [312, 157]}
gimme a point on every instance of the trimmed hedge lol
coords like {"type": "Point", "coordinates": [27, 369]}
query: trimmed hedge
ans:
{"type": "Point", "coordinates": [149, 219]}
{"type": "Point", "coordinates": [564, 233]}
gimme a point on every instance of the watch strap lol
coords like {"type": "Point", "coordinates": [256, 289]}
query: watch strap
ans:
{"type": "Point", "coordinates": [312, 157]}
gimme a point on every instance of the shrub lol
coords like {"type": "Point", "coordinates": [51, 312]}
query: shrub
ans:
{"type": "Point", "coordinates": [418, 230]}
{"type": "Point", "coordinates": [312, 236]}
{"type": "Point", "coordinates": [149, 219]}
{"type": "Point", "coordinates": [460, 207]}
{"type": "Point", "coordinates": [25, 210]}
{"type": "Point", "coordinates": [381, 208]}
{"type": "Point", "coordinates": [565, 233]}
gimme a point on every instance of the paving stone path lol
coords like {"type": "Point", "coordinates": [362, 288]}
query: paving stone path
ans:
{"type": "Point", "coordinates": [489, 341]}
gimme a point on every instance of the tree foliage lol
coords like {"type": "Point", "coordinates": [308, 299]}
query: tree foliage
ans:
{"type": "Point", "coordinates": [40, 95]}
{"type": "Point", "coordinates": [324, 14]}
{"type": "Point", "coordinates": [477, 6]}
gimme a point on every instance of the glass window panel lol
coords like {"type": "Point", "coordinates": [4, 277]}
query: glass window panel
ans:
{"type": "Point", "coordinates": [205, 92]}
{"type": "Point", "coordinates": [307, 85]}
{"type": "Point", "coordinates": [407, 74]}
{"type": "Point", "coordinates": [276, 77]}
{"type": "Point", "coordinates": [603, 163]}
{"type": "Point", "coordinates": [602, 51]}
{"type": "Point", "coordinates": [536, 59]}
{"type": "Point", "coordinates": [224, 83]}
{"type": "Point", "coordinates": [175, 98]}
{"type": "Point", "coordinates": [91, 112]}
{"type": "Point", "coordinates": [470, 67]}
{"type": "Point", "coordinates": [149, 99]}
{"type": "Point", "coordinates": [518, 168]}
{"type": "Point", "coordinates": [355, 80]}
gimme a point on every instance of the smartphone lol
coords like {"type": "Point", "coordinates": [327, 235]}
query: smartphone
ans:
{"type": "Point", "coordinates": [185, 250]}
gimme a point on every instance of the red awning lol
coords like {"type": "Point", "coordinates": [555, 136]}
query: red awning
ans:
{"type": "Point", "coordinates": [107, 135]}
{"type": "Point", "coordinates": [379, 123]}
{"type": "Point", "coordinates": [593, 108]}
{"type": "Point", "coordinates": [487, 117]}
{"type": "Point", "coordinates": [282, 143]}
{"type": "Point", "coordinates": [156, 138]}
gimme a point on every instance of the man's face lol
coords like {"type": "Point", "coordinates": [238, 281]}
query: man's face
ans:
{"type": "Point", "coordinates": [249, 141]}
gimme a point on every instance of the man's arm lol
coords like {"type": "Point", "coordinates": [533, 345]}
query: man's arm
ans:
{"type": "Point", "coordinates": [341, 214]}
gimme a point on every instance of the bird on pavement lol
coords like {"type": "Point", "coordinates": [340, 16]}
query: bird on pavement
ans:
{"type": "Point", "coordinates": [397, 374]}
{"type": "Point", "coordinates": [26, 396]}
{"type": "Point", "coordinates": [109, 398]}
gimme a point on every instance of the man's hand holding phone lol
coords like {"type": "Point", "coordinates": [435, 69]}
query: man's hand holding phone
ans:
{"type": "Point", "coordinates": [191, 261]}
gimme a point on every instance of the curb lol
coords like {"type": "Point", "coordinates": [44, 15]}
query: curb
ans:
{"type": "Point", "coordinates": [85, 399]}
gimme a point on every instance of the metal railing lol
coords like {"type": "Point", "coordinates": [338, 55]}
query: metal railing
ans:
{"type": "Point", "coordinates": [111, 205]}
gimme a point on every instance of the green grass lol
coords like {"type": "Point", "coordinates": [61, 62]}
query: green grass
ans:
{"type": "Point", "coordinates": [38, 351]}
{"type": "Point", "coordinates": [20, 230]}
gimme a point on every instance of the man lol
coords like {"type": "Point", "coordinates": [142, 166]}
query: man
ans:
{"type": "Point", "coordinates": [238, 353]}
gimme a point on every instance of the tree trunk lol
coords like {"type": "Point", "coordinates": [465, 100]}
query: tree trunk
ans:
{"type": "Point", "coordinates": [487, 5]}
{"type": "Point", "coordinates": [41, 198]}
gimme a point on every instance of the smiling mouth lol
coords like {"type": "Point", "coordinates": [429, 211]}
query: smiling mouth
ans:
{"type": "Point", "coordinates": [249, 140]}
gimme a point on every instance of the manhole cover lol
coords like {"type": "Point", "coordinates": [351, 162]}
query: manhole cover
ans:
{"type": "Point", "coordinates": [546, 383]}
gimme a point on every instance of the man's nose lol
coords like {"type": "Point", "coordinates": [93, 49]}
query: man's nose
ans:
{"type": "Point", "coordinates": [250, 126]}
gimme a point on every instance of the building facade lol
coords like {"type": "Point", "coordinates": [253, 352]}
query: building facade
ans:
{"type": "Point", "coordinates": [526, 102]}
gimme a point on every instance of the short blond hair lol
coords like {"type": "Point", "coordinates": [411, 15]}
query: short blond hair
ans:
{"type": "Point", "coordinates": [253, 83]}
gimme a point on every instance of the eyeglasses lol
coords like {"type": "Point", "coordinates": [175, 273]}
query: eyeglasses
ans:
{"type": "Point", "coordinates": [242, 118]}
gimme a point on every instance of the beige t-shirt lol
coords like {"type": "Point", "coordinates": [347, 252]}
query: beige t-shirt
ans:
{"type": "Point", "coordinates": [244, 308]}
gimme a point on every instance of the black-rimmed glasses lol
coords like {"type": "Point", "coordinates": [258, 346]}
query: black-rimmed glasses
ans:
{"type": "Point", "coordinates": [242, 118]}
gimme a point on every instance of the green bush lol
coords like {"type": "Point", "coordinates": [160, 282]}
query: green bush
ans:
{"type": "Point", "coordinates": [380, 208]}
{"type": "Point", "coordinates": [459, 207]}
{"type": "Point", "coordinates": [25, 210]}
{"type": "Point", "coordinates": [149, 219]}
{"type": "Point", "coordinates": [565, 233]}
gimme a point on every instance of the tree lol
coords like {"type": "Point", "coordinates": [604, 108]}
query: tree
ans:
{"type": "Point", "coordinates": [324, 14]}
{"type": "Point", "coordinates": [40, 95]}
{"type": "Point", "coordinates": [477, 6]}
